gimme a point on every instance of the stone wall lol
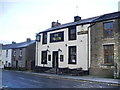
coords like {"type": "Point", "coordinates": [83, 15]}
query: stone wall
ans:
{"type": "Point", "coordinates": [97, 66]}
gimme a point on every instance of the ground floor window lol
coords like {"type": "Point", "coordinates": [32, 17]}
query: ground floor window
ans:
{"type": "Point", "coordinates": [108, 54]}
{"type": "Point", "coordinates": [72, 55]}
{"type": "Point", "coordinates": [44, 57]}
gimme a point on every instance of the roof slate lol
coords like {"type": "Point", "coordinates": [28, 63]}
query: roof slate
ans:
{"type": "Point", "coordinates": [86, 21]}
{"type": "Point", "coordinates": [18, 45]}
{"type": "Point", "coordinates": [108, 16]}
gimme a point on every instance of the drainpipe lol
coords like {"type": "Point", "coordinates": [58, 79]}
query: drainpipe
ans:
{"type": "Point", "coordinates": [89, 45]}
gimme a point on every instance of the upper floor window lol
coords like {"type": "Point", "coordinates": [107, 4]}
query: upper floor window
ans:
{"type": "Point", "coordinates": [14, 53]}
{"type": "Point", "coordinates": [72, 33]}
{"type": "Point", "coordinates": [6, 53]}
{"type": "Point", "coordinates": [20, 52]}
{"type": "Point", "coordinates": [108, 28]}
{"type": "Point", "coordinates": [44, 41]}
{"type": "Point", "coordinates": [108, 54]}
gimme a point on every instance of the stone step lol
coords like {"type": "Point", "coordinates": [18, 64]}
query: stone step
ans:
{"type": "Point", "coordinates": [52, 71]}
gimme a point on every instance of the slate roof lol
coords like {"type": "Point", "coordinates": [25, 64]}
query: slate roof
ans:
{"type": "Point", "coordinates": [18, 45]}
{"type": "Point", "coordinates": [108, 16]}
{"type": "Point", "coordinates": [84, 21]}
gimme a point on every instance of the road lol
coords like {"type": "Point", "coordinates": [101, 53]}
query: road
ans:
{"type": "Point", "coordinates": [12, 79]}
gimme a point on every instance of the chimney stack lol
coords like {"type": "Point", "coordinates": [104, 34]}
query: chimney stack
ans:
{"type": "Point", "coordinates": [55, 24]}
{"type": "Point", "coordinates": [13, 42]}
{"type": "Point", "coordinates": [28, 39]}
{"type": "Point", "coordinates": [77, 18]}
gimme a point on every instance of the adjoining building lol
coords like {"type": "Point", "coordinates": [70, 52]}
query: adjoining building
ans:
{"type": "Point", "coordinates": [7, 55]}
{"type": "Point", "coordinates": [20, 55]}
{"type": "Point", "coordinates": [1, 61]}
{"type": "Point", "coordinates": [105, 45]}
{"type": "Point", "coordinates": [81, 45]}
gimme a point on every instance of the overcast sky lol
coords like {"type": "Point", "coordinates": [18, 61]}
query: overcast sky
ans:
{"type": "Point", "coordinates": [21, 19]}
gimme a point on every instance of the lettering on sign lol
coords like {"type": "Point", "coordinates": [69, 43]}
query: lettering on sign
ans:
{"type": "Point", "coordinates": [57, 37]}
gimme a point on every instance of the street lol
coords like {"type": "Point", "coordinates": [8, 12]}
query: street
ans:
{"type": "Point", "coordinates": [12, 79]}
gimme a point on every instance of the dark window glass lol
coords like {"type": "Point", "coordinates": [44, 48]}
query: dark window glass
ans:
{"type": "Point", "coordinates": [108, 54]}
{"type": "Point", "coordinates": [61, 58]}
{"type": "Point", "coordinates": [72, 33]}
{"type": "Point", "coordinates": [72, 55]}
{"type": "Point", "coordinates": [44, 57]}
{"type": "Point", "coordinates": [20, 52]}
{"type": "Point", "coordinates": [49, 57]}
{"type": "Point", "coordinates": [6, 53]}
{"type": "Point", "coordinates": [108, 29]}
{"type": "Point", "coordinates": [44, 38]}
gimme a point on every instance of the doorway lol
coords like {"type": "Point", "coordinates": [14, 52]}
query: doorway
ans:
{"type": "Point", "coordinates": [55, 59]}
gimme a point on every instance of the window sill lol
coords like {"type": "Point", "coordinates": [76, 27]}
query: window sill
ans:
{"type": "Point", "coordinates": [107, 64]}
{"type": "Point", "coordinates": [71, 63]}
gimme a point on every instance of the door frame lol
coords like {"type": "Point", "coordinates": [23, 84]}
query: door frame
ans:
{"type": "Point", "coordinates": [55, 63]}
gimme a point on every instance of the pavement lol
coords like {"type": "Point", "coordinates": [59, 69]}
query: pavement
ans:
{"type": "Point", "coordinates": [84, 78]}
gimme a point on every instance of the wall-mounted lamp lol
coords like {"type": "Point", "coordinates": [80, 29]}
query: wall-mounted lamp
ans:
{"type": "Point", "coordinates": [48, 50]}
{"type": "Point", "coordinates": [59, 50]}
{"type": "Point", "coordinates": [66, 45]}
{"type": "Point", "coordinates": [38, 37]}
{"type": "Point", "coordinates": [47, 46]}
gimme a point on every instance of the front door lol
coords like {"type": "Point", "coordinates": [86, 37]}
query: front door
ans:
{"type": "Point", "coordinates": [55, 59]}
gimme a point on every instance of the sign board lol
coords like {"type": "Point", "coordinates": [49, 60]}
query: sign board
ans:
{"type": "Point", "coordinates": [57, 37]}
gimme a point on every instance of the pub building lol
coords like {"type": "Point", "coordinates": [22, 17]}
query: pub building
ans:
{"type": "Point", "coordinates": [64, 46]}
{"type": "Point", "coordinates": [89, 45]}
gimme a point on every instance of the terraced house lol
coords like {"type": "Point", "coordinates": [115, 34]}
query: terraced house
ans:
{"type": "Point", "coordinates": [88, 44]}
{"type": "Point", "coordinates": [20, 55]}
{"type": "Point", "coordinates": [1, 61]}
{"type": "Point", "coordinates": [105, 45]}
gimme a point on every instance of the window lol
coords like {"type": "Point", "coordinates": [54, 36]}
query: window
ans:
{"type": "Point", "coordinates": [44, 38]}
{"type": "Point", "coordinates": [20, 52]}
{"type": "Point", "coordinates": [72, 55]}
{"type": "Point", "coordinates": [108, 29]}
{"type": "Point", "coordinates": [44, 57]}
{"type": "Point", "coordinates": [72, 33]}
{"type": "Point", "coordinates": [49, 57]}
{"type": "Point", "coordinates": [61, 58]}
{"type": "Point", "coordinates": [6, 53]}
{"type": "Point", "coordinates": [108, 54]}
{"type": "Point", "coordinates": [14, 53]}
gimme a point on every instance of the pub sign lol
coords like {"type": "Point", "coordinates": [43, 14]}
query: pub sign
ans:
{"type": "Point", "coordinates": [57, 37]}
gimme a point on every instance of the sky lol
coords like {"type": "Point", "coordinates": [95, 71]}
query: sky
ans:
{"type": "Point", "coordinates": [21, 19]}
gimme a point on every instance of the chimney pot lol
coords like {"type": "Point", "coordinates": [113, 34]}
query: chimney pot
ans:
{"type": "Point", "coordinates": [55, 24]}
{"type": "Point", "coordinates": [77, 18]}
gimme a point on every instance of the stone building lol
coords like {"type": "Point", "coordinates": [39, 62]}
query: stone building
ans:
{"type": "Point", "coordinates": [1, 61]}
{"type": "Point", "coordinates": [105, 45]}
{"type": "Point", "coordinates": [19, 55]}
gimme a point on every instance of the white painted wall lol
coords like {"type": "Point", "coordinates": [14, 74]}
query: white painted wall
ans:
{"type": "Point", "coordinates": [8, 59]}
{"type": "Point", "coordinates": [81, 44]}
